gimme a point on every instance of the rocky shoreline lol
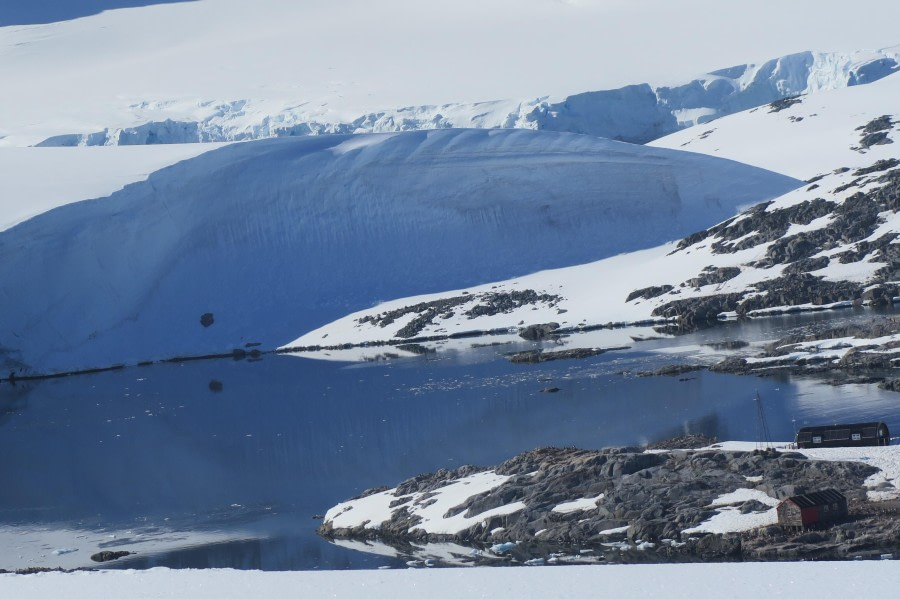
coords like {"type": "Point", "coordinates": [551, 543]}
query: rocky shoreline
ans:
{"type": "Point", "coordinates": [631, 504]}
{"type": "Point", "coordinates": [870, 350]}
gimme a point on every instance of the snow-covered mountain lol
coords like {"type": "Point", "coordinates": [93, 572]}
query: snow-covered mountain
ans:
{"type": "Point", "coordinates": [832, 242]}
{"type": "Point", "coordinates": [224, 70]}
{"type": "Point", "coordinates": [241, 247]}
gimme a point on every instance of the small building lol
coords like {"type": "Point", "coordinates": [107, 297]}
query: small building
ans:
{"type": "Point", "coordinates": [844, 435]}
{"type": "Point", "coordinates": [812, 509]}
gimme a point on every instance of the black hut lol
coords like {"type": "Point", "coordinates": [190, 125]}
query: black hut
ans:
{"type": "Point", "coordinates": [844, 435]}
{"type": "Point", "coordinates": [811, 509]}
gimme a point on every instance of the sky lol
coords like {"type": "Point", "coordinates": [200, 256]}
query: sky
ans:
{"type": "Point", "coordinates": [33, 12]}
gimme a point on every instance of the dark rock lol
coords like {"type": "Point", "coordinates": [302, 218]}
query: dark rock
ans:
{"type": "Point", "coordinates": [538, 356]}
{"type": "Point", "coordinates": [550, 390]}
{"type": "Point", "coordinates": [534, 332]}
{"type": "Point", "coordinates": [692, 441]}
{"type": "Point", "coordinates": [216, 386]}
{"type": "Point", "coordinates": [713, 276]}
{"type": "Point", "coordinates": [673, 370]}
{"type": "Point", "coordinates": [731, 344]}
{"type": "Point", "coordinates": [649, 292]}
{"type": "Point", "coordinates": [875, 139]}
{"type": "Point", "coordinates": [880, 165]}
{"type": "Point", "coordinates": [805, 265]}
{"type": "Point", "coordinates": [890, 384]}
{"type": "Point", "coordinates": [779, 105]}
{"type": "Point", "coordinates": [108, 556]}
{"type": "Point", "coordinates": [206, 319]}
{"type": "Point", "coordinates": [718, 546]}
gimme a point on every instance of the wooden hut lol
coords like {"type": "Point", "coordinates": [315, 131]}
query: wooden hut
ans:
{"type": "Point", "coordinates": [844, 435]}
{"type": "Point", "coordinates": [812, 509]}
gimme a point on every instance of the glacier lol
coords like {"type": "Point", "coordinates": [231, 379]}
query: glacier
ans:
{"type": "Point", "coordinates": [635, 113]}
{"type": "Point", "coordinates": [243, 246]}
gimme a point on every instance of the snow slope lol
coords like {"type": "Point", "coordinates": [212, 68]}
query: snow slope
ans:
{"type": "Point", "coordinates": [35, 180]}
{"type": "Point", "coordinates": [275, 236]}
{"type": "Point", "coordinates": [738, 580]}
{"type": "Point", "coordinates": [228, 69]}
{"type": "Point", "coordinates": [822, 236]}
{"type": "Point", "coordinates": [817, 134]}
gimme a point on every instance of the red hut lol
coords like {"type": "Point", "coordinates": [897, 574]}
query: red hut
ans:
{"type": "Point", "coordinates": [811, 509]}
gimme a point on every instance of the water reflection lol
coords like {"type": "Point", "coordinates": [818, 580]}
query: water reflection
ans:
{"type": "Point", "coordinates": [226, 464]}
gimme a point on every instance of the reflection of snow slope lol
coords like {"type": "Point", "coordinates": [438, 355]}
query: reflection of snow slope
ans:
{"type": "Point", "coordinates": [278, 236]}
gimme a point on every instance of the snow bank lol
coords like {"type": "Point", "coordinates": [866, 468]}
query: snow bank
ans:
{"type": "Point", "coordinates": [699, 581]}
{"type": "Point", "coordinates": [274, 237]}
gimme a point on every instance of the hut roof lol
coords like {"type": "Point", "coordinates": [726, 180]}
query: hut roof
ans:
{"type": "Point", "coordinates": [833, 427]}
{"type": "Point", "coordinates": [817, 498]}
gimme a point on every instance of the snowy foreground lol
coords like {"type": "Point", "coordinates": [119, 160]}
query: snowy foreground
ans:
{"type": "Point", "coordinates": [698, 581]}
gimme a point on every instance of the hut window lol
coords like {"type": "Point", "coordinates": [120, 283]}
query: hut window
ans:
{"type": "Point", "coordinates": [825, 508]}
{"type": "Point", "coordinates": [840, 434]}
{"type": "Point", "coordinates": [817, 438]}
{"type": "Point", "coordinates": [856, 437]}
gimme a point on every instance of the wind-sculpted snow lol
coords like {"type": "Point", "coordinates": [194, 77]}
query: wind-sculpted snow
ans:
{"type": "Point", "coordinates": [256, 241]}
{"type": "Point", "coordinates": [635, 113]}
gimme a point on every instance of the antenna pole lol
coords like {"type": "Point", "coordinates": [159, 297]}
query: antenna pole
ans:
{"type": "Point", "coordinates": [763, 438]}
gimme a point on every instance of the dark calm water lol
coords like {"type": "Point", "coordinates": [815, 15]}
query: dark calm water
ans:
{"type": "Point", "coordinates": [225, 464]}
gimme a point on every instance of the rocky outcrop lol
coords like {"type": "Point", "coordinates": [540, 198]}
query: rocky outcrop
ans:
{"type": "Point", "coordinates": [485, 304]}
{"type": "Point", "coordinates": [653, 500]}
{"type": "Point", "coordinates": [538, 355]}
{"type": "Point", "coordinates": [801, 354]}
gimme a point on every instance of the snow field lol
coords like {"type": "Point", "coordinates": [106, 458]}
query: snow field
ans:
{"type": "Point", "coordinates": [699, 581]}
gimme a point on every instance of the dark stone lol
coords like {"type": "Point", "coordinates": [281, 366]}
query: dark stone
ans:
{"type": "Point", "coordinates": [691, 441]}
{"type": "Point", "coordinates": [216, 386]}
{"type": "Point", "coordinates": [538, 356]}
{"type": "Point", "coordinates": [207, 319]}
{"type": "Point", "coordinates": [779, 105]}
{"type": "Point", "coordinates": [674, 370]}
{"type": "Point", "coordinates": [875, 139]}
{"type": "Point", "coordinates": [649, 292]}
{"type": "Point", "coordinates": [727, 345]}
{"type": "Point", "coordinates": [713, 276]}
{"type": "Point", "coordinates": [535, 332]}
{"type": "Point", "coordinates": [108, 556]}
{"type": "Point", "coordinates": [890, 384]}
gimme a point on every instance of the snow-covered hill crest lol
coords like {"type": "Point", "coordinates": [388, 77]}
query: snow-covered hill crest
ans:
{"type": "Point", "coordinates": [636, 113]}
{"type": "Point", "coordinates": [253, 242]}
